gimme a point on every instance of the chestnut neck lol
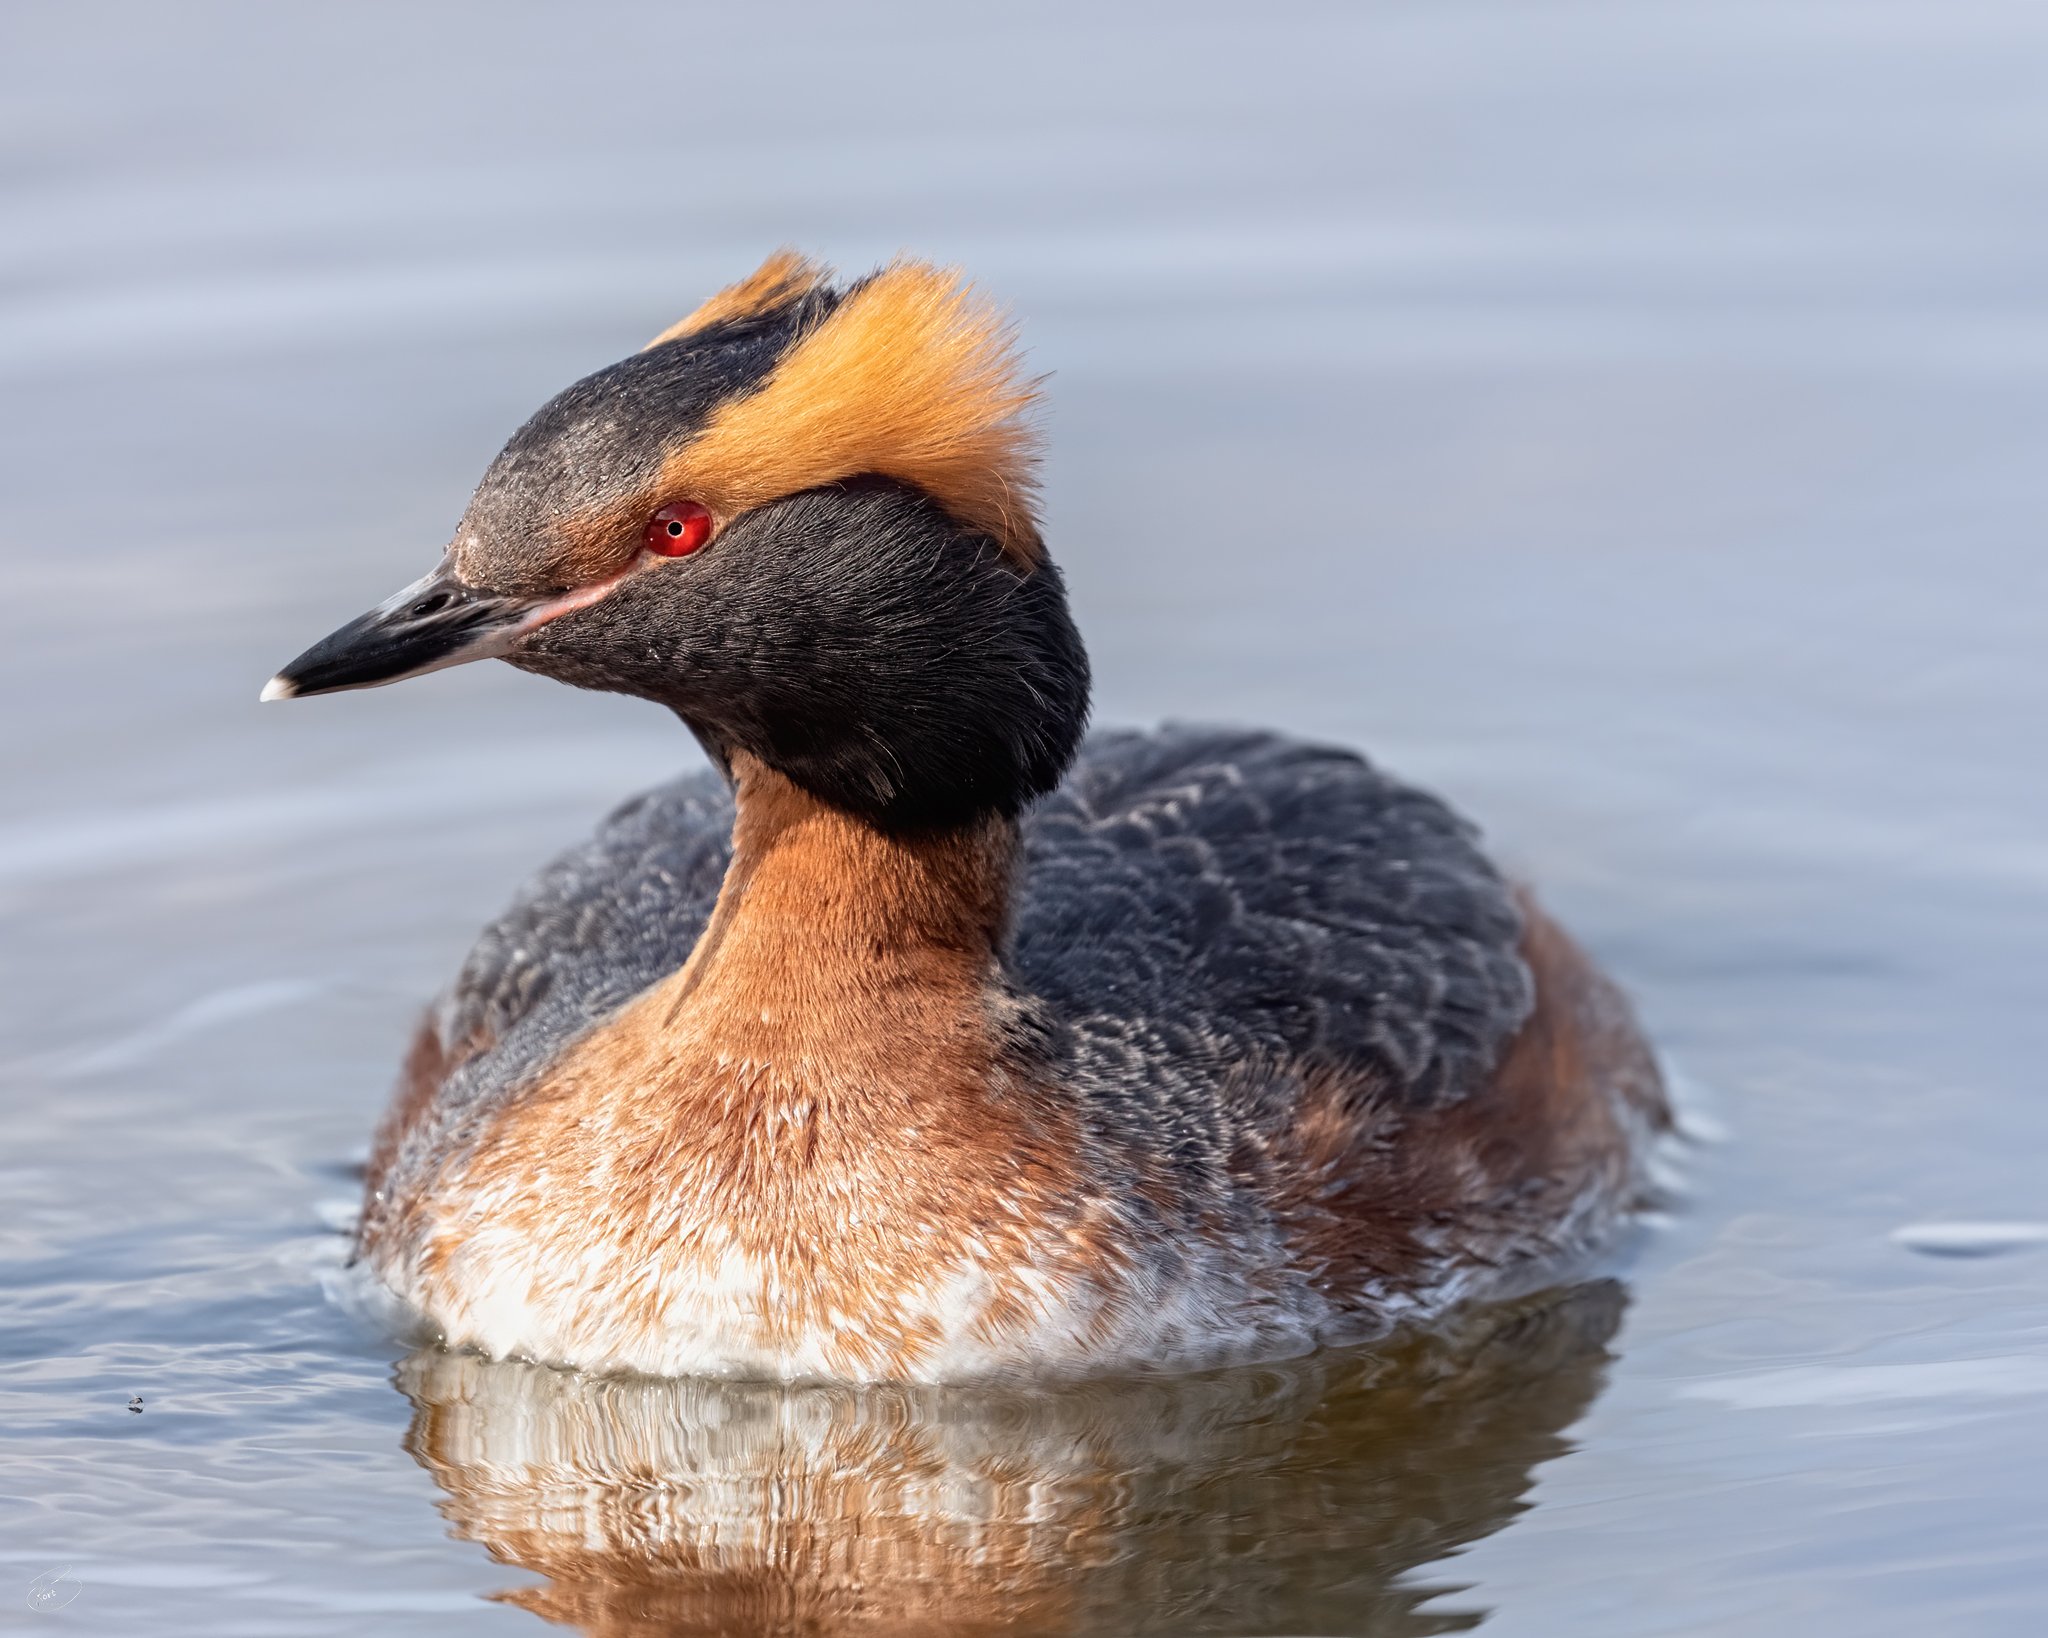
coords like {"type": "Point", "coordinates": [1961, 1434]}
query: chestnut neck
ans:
{"type": "Point", "coordinates": [820, 910]}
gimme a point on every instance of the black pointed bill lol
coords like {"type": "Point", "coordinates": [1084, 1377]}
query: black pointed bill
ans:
{"type": "Point", "coordinates": [434, 623]}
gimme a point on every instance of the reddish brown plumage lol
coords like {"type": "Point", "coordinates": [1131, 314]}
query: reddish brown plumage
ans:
{"type": "Point", "coordinates": [428, 1063]}
{"type": "Point", "coordinates": [828, 1088]}
{"type": "Point", "coordinates": [831, 1062]}
{"type": "Point", "coordinates": [1376, 1197]}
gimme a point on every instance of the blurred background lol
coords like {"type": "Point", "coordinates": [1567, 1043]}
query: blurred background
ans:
{"type": "Point", "coordinates": [1627, 419]}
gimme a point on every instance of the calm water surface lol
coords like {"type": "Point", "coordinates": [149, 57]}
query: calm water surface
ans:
{"type": "Point", "coordinates": [1628, 419]}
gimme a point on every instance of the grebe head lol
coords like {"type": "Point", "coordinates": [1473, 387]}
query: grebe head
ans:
{"type": "Point", "coordinates": [802, 519]}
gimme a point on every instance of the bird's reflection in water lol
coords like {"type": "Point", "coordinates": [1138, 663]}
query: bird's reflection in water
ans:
{"type": "Point", "coordinates": [1287, 1499]}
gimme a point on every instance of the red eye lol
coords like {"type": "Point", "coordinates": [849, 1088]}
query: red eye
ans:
{"type": "Point", "coordinates": [678, 530]}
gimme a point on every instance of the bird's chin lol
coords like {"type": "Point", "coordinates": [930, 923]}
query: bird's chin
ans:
{"type": "Point", "coordinates": [559, 657]}
{"type": "Point", "coordinates": [527, 658]}
{"type": "Point", "coordinates": [563, 663]}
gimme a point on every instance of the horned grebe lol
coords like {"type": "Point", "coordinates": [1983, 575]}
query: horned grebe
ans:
{"type": "Point", "coordinates": [927, 1039]}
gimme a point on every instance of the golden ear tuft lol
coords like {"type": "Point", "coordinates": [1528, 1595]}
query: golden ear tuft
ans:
{"type": "Point", "coordinates": [781, 279]}
{"type": "Point", "coordinates": [913, 376]}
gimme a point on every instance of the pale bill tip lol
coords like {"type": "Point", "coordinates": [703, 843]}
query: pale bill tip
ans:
{"type": "Point", "coordinates": [278, 688]}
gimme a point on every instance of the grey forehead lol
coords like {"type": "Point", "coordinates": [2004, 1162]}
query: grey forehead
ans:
{"type": "Point", "coordinates": [609, 432]}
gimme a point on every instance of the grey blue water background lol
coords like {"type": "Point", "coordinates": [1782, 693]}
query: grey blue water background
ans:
{"type": "Point", "coordinates": [1628, 419]}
